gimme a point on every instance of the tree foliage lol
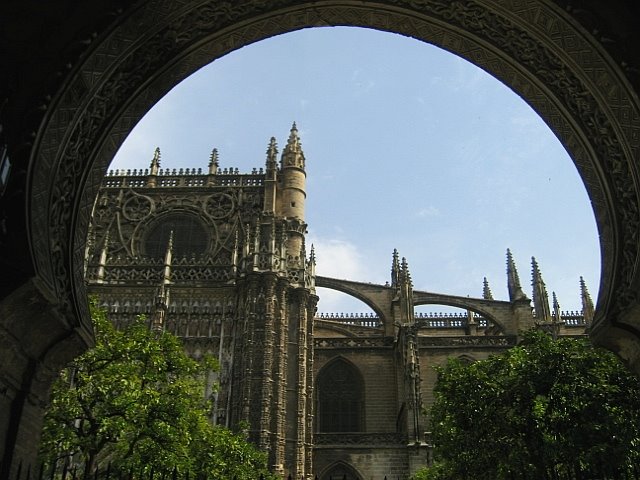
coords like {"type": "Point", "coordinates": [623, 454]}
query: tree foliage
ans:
{"type": "Point", "coordinates": [547, 405]}
{"type": "Point", "coordinates": [136, 402]}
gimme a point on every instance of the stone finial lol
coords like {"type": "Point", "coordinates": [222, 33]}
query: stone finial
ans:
{"type": "Point", "coordinates": [272, 155]}
{"type": "Point", "coordinates": [540, 297]}
{"type": "Point", "coordinates": [406, 275]}
{"type": "Point", "coordinates": [102, 263]}
{"type": "Point", "coordinates": [155, 162]}
{"type": "Point", "coordinates": [166, 279]}
{"type": "Point", "coordinates": [213, 162]}
{"type": "Point", "coordinates": [513, 280]}
{"type": "Point", "coordinates": [161, 305]}
{"type": "Point", "coordinates": [395, 269]}
{"type": "Point", "coordinates": [588, 310]}
{"type": "Point", "coordinates": [486, 290]}
{"type": "Point", "coordinates": [557, 314]}
{"type": "Point", "coordinates": [292, 154]}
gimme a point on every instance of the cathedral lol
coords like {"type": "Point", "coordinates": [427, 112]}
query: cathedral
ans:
{"type": "Point", "coordinates": [218, 257]}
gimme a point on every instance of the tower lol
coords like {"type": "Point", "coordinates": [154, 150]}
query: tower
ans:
{"type": "Point", "coordinates": [230, 248]}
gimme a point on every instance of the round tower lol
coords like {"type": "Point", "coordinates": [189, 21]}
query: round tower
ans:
{"type": "Point", "coordinates": [293, 192]}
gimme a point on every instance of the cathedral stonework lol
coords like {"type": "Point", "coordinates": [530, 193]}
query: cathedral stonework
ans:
{"type": "Point", "coordinates": [219, 258]}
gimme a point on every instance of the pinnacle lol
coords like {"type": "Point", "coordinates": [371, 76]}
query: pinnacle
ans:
{"type": "Point", "coordinates": [214, 157]}
{"type": "Point", "coordinates": [513, 280]}
{"type": "Point", "coordinates": [155, 161]}
{"type": "Point", "coordinates": [486, 290]}
{"type": "Point", "coordinates": [293, 144]}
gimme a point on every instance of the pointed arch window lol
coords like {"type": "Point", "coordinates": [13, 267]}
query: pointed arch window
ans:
{"type": "Point", "coordinates": [341, 471]}
{"type": "Point", "coordinates": [340, 398]}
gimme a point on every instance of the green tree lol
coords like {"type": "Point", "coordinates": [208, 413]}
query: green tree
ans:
{"type": "Point", "coordinates": [547, 405]}
{"type": "Point", "coordinates": [136, 401]}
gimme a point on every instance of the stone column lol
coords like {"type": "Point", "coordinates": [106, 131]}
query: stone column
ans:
{"type": "Point", "coordinates": [37, 340]}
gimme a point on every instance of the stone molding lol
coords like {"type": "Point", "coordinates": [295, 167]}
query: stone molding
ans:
{"type": "Point", "coordinates": [535, 47]}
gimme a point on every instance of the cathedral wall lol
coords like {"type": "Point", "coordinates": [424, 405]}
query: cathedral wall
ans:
{"type": "Point", "coordinates": [375, 462]}
{"type": "Point", "coordinates": [377, 368]}
{"type": "Point", "coordinates": [430, 358]}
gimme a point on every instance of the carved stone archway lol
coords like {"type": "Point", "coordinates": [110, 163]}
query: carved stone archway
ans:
{"type": "Point", "coordinates": [72, 105]}
{"type": "Point", "coordinates": [532, 46]}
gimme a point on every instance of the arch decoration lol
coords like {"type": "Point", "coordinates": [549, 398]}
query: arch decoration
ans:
{"type": "Point", "coordinates": [570, 60]}
{"type": "Point", "coordinates": [531, 46]}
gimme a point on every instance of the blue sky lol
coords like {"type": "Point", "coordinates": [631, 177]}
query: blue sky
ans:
{"type": "Point", "coordinates": [407, 147]}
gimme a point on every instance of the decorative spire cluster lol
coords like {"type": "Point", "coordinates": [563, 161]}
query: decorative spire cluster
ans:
{"type": "Point", "coordinates": [540, 296]}
{"type": "Point", "coordinates": [213, 162]}
{"type": "Point", "coordinates": [588, 309]}
{"type": "Point", "coordinates": [292, 156]}
{"type": "Point", "coordinates": [272, 156]}
{"type": "Point", "coordinates": [395, 269]}
{"type": "Point", "coordinates": [155, 162]}
{"type": "Point", "coordinates": [486, 290]}
{"type": "Point", "coordinates": [513, 280]}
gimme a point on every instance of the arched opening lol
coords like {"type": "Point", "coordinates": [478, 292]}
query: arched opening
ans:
{"type": "Point", "coordinates": [340, 403]}
{"type": "Point", "coordinates": [340, 471]}
{"type": "Point", "coordinates": [121, 101]}
{"type": "Point", "coordinates": [571, 77]}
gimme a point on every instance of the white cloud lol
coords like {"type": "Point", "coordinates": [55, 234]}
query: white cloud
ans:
{"type": "Point", "coordinates": [339, 259]}
{"type": "Point", "coordinates": [430, 211]}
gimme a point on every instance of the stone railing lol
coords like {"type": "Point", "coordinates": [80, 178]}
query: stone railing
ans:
{"type": "Point", "coordinates": [468, 341]}
{"type": "Point", "coordinates": [369, 342]}
{"type": "Point", "coordinates": [183, 177]}
{"type": "Point", "coordinates": [359, 439]}
{"type": "Point", "coordinates": [357, 319]}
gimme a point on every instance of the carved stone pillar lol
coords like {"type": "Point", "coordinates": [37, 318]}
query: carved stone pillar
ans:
{"type": "Point", "coordinates": [36, 342]}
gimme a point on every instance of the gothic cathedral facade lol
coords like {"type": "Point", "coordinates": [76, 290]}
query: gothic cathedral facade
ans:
{"type": "Point", "coordinates": [219, 258]}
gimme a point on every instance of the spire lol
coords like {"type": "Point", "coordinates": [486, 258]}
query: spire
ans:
{"type": "Point", "coordinates": [486, 290]}
{"type": "Point", "coordinates": [513, 280]}
{"type": "Point", "coordinates": [405, 274]}
{"type": "Point", "coordinates": [540, 297]}
{"type": "Point", "coordinates": [405, 290]}
{"type": "Point", "coordinates": [102, 263]}
{"type": "Point", "coordinates": [272, 155]}
{"type": "Point", "coordinates": [234, 253]}
{"type": "Point", "coordinates": [154, 168]}
{"type": "Point", "coordinates": [588, 309]}
{"type": "Point", "coordinates": [155, 162]}
{"type": "Point", "coordinates": [161, 306]}
{"type": "Point", "coordinates": [271, 176]}
{"type": "Point", "coordinates": [395, 269]}
{"type": "Point", "coordinates": [166, 278]}
{"type": "Point", "coordinates": [292, 156]}
{"type": "Point", "coordinates": [213, 162]}
{"type": "Point", "coordinates": [311, 267]}
{"type": "Point", "coordinates": [312, 255]}
{"type": "Point", "coordinates": [557, 314]}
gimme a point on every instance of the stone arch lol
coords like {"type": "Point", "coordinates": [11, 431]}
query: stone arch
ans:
{"type": "Point", "coordinates": [534, 47]}
{"type": "Point", "coordinates": [79, 93]}
{"type": "Point", "coordinates": [339, 471]}
{"type": "Point", "coordinates": [346, 288]}
{"type": "Point", "coordinates": [487, 313]}
{"type": "Point", "coordinates": [340, 397]}
{"type": "Point", "coordinates": [466, 359]}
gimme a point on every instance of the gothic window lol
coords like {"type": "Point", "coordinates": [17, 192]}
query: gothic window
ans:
{"type": "Point", "coordinates": [341, 471]}
{"type": "Point", "coordinates": [340, 398]}
{"type": "Point", "coordinates": [189, 236]}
